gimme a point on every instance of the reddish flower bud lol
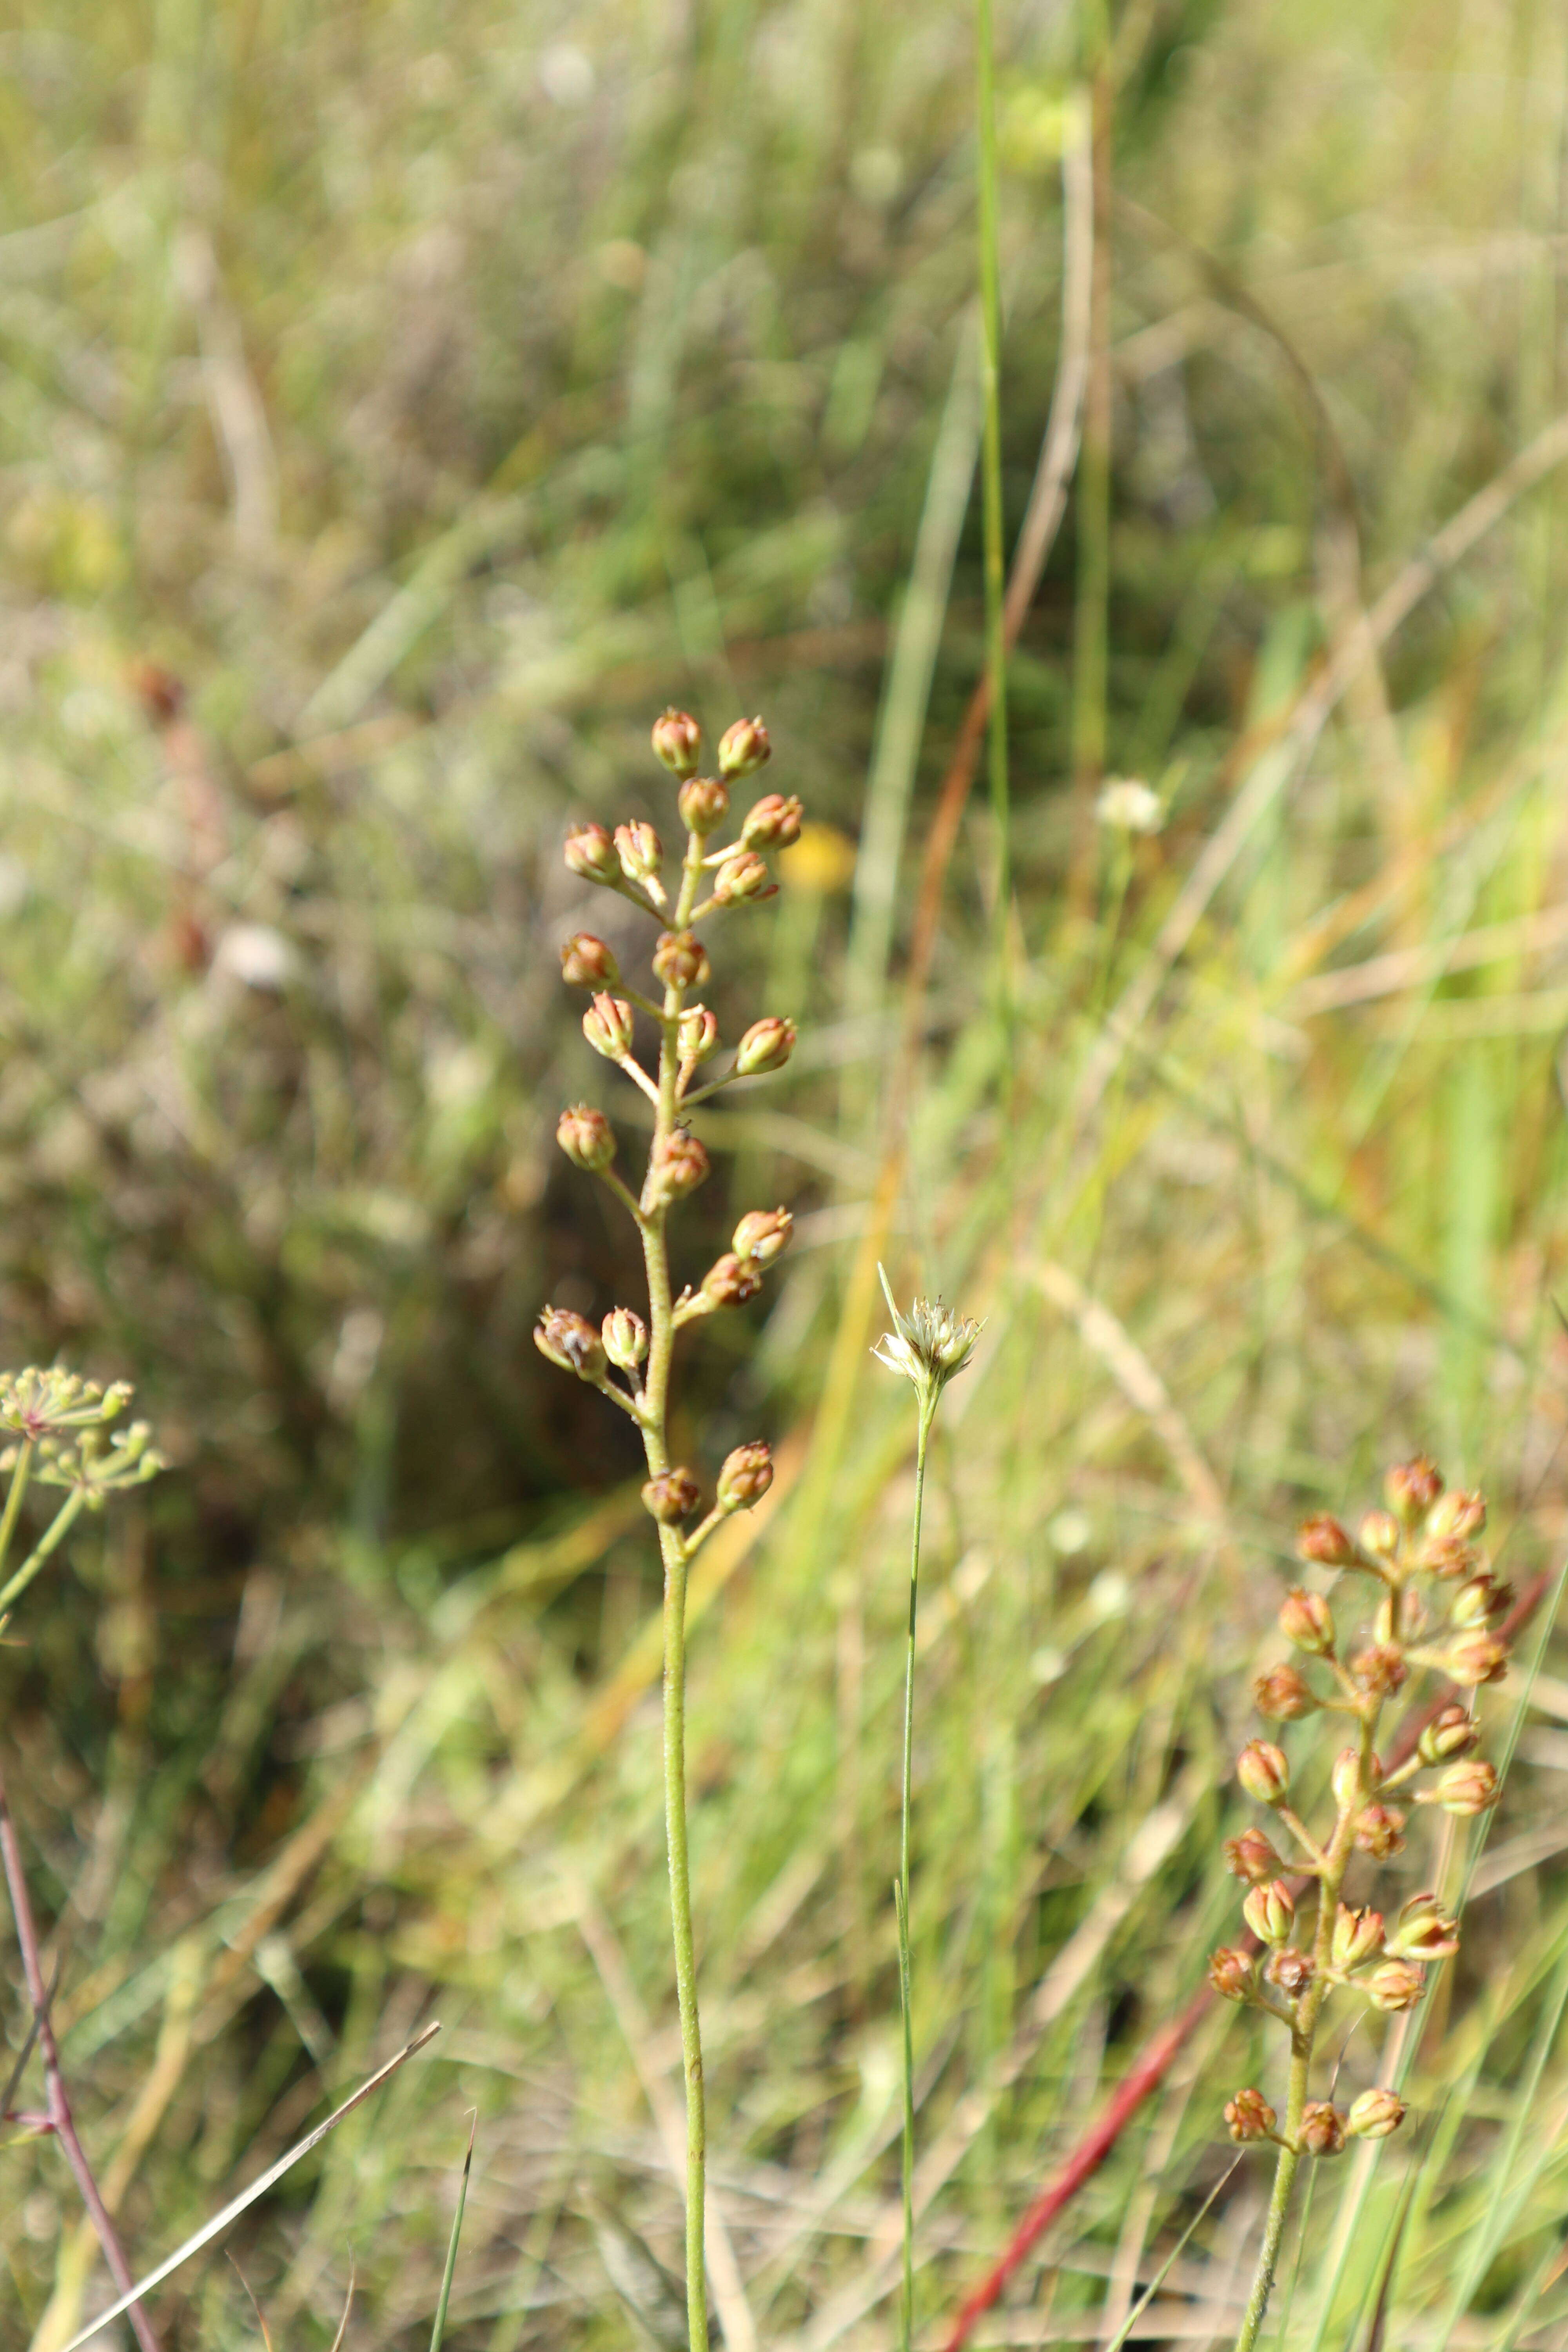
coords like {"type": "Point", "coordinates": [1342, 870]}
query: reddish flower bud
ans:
{"type": "Point", "coordinates": [1380, 1668]}
{"type": "Point", "coordinates": [679, 1165]}
{"type": "Point", "coordinates": [699, 1035]}
{"type": "Point", "coordinates": [746, 1476]}
{"type": "Point", "coordinates": [1393, 1986]}
{"type": "Point", "coordinates": [704, 805]}
{"type": "Point", "coordinates": [1476, 1658]}
{"type": "Point", "coordinates": [1270, 1912]}
{"type": "Point", "coordinates": [680, 960]}
{"type": "Point", "coordinates": [1307, 1620]}
{"type": "Point", "coordinates": [625, 1336]}
{"type": "Point", "coordinates": [1411, 1488]}
{"type": "Point", "coordinates": [570, 1341]}
{"type": "Point", "coordinates": [672, 1497]}
{"type": "Point", "coordinates": [1482, 1601]}
{"type": "Point", "coordinates": [1380, 1832]}
{"type": "Point", "coordinates": [1250, 1856]}
{"type": "Point", "coordinates": [772, 823]}
{"type": "Point", "coordinates": [741, 877]}
{"type": "Point", "coordinates": [607, 1026]}
{"type": "Point", "coordinates": [1466, 1787]}
{"type": "Point", "coordinates": [1454, 1731]}
{"type": "Point", "coordinates": [1248, 2116]}
{"type": "Point", "coordinates": [1357, 1938]}
{"type": "Point", "coordinates": [731, 1280]}
{"type": "Point", "coordinates": [1290, 1970]}
{"type": "Point", "coordinates": [587, 963]}
{"type": "Point", "coordinates": [766, 1046]}
{"type": "Point", "coordinates": [677, 741]}
{"type": "Point", "coordinates": [585, 1136]}
{"type": "Point", "coordinates": [1263, 1772]}
{"type": "Point", "coordinates": [763, 1233]}
{"type": "Point", "coordinates": [591, 853]}
{"type": "Point", "coordinates": [1282, 1695]}
{"type": "Point", "coordinates": [1323, 1539]}
{"type": "Point", "coordinates": [1322, 2129]}
{"type": "Point", "coordinates": [1425, 1931]}
{"type": "Point", "coordinates": [1457, 1516]}
{"type": "Point", "coordinates": [1230, 1973]}
{"type": "Point", "coordinates": [745, 748]}
{"type": "Point", "coordinates": [1374, 2114]}
{"type": "Point", "coordinates": [640, 851]}
{"type": "Point", "coordinates": [1379, 1534]}
{"type": "Point", "coordinates": [1449, 1557]}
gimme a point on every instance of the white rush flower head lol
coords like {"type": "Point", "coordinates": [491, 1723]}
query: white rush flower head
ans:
{"type": "Point", "coordinates": [928, 1344]}
{"type": "Point", "coordinates": [1126, 805]}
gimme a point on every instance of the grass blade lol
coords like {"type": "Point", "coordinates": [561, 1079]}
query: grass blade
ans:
{"type": "Point", "coordinates": [1164, 2273]}
{"type": "Point", "coordinates": [439, 2329]}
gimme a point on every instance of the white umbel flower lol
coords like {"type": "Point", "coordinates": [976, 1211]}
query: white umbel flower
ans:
{"type": "Point", "coordinates": [928, 1344]}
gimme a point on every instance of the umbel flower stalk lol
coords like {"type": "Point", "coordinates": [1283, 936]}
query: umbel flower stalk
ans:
{"type": "Point", "coordinates": [927, 1347]}
{"type": "Point", "coordinates": [1435, 1604]}
{"type": "Point", "coordinates": [628, 1357]}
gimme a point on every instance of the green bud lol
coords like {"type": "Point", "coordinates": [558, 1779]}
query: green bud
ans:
{"type": "Point", "coordinates": [766, 1046]}
{"type": "Point", "coordinates": [745, 748]}
{"type": "Point", "coordinates": [607, 1026]}
{"type": "Point", "coordinates": [746, 1476]}
{"type": "Point", "coordinates": [677, 741]}
{"type": "Point", "coordinates": [591, 853]}
{"type": "Point", "coordinates": [625, 1336]}
{"type": "Point", "coordinates": [704, 805]}
{"type": "Point", "coordinates": [585, 1136]}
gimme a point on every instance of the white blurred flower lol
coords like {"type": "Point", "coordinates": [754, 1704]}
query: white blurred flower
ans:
{"type": "Point", "coordinates": [1126, 805]}
{"type": "Point", "coordinates": [255, 955]}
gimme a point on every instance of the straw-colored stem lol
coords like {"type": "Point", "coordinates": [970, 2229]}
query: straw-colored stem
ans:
{"type": "Point", "coordinates": [901, 1891]}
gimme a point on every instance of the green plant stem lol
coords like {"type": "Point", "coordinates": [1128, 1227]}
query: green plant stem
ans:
{"type": "Point", "coordinates": [19, 1477]}
{"type": "Point", "coordinates": [49, 1542]}
{"type": "Point", "coordinates": [901, 1891]}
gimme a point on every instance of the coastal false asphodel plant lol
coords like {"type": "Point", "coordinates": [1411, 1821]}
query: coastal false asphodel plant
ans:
{"type": "Point", "coordinates": [1435, 1606]}
{"type": "Point", "coordinates": [627, 1358]}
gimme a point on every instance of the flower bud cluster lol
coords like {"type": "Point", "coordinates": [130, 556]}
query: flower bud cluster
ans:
{"type": "Point", "coordinates": [1421, 1536]}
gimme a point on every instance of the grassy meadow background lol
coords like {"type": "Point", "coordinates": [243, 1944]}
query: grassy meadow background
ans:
{"type": "Point", "coordinates": [399, 404]}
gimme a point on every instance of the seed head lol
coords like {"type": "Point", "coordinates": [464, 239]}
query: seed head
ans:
{"type": "Point", "coordinates": [1357, 1938]}
{"type": "Point", "coordinates": [763, 1233]}
{"type": "Point", "coordinates": [1476, 1658]}
{"type": "Point", "coordinates": [625, 1336]}
{"type": "Point", "coordinates": [607, 1026]}
{"type": "Point", "coordinates": [731, 1280]}
{"type": "Point", "coordinates": [1380, 1668]}
{"type": "Point", "coordinates": [704, 804]}
{"type": "Point", "coordinates": [1230, 1973]}
{"type": "Point", "coordinates": [1482, 1600]}
{"type": "Point", "coordinates": [773, 823]}
{"type": "Point", "coordinates": [1466, 1787]}
{"type": "Point", "coordinates": [1322, 2129]}
{"type": "Point", "coordinates": [741, 878]}
{"type": "Point", "coordinates": [1449, 1557]}
{"type": "Point", "coordinates": [1290, 1970]}
{"type": "Point", "coordinates": [640, 851]}
{"type": "Point", "coordinates": [570, 1341]}
{"type": "Point", "coordinates": [1379, 1534]}
{"type": "Point", "coordinates": [1248, 2116]}
{"type": "Point", "coordinates": [1411, 1488]}
{"type": "Point", "coordinates": [745, 1478]}
{"type": "Point", "coordinates": [928, 1346]}
{"type": "Point", "coordinates": [745, 748]}
{"type": "Point", "coordinates": [1458, 1515]}
{"type": "Point", "coordinates": [1270, 1912]}
{"type": "Point", "coordinates": [677, 1166]}
{"type": "Point", "coordinates": [1380, 1832]}
{"type": "Point", "coordinates": [1425, 1931]}
{"type": "Point", "coordinates": [672, 1497]}
{"type": "Point", "coordinates": [1250, 1856]}
{"type": "Point", "coordinates": [1282, 1695]}
{"type": "Point", "coordinates": [591, 853]}
{"type": "Point", "coordinates": [766, 1046]}
{"type": "Point", "coordinates": [587, 963]}
{"type": "Point", "coordinates": [1374, 2114]}
{"type": "Point", "coordinates": [1394, 1987]}
{"type": "Point", "coordinates": [677, 741]}
{"type": "Point", "coordinates": [1321, 1538]}
{"type": "Point", "coordinates": [1263, 1772]}
{"type": "Point", "coordinates": [699, 1035]}
{"type": "Point", "coordinates": [680, 960]}
{"type": "Point", "coordinates": [1452, 1732]}
{"type": "Point", "coordinates": [585, 1136]}
{"type": "Point", "coordinates": [1307, 1620]}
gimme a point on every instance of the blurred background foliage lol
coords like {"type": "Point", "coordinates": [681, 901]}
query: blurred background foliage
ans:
{"type": "Point", "coordinates": [399, 404]}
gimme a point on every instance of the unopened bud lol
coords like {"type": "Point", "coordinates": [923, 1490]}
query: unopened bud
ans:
{"type": "Point", "coordinates": [1449, 1557]}
{"type": "Point", "coordinates": [677, 741]}
{"type": "Point", "coordinates": [1230, 1973]}
{"type": "Point", "coordinates": [699, 1033]}
{"type": "Point", "coordinates": [1456, 1513]}
{"type": "Point", "coordinates": [1323, 1539]}
{"type": "Point", "coordinates": [1411, 1488]}
{"type": "Point", "coordinates": [745, 1478]}
{"type": "Point", "coordinates": [1345, 1778]}
{"type": "Point", "coordinates": [1394, 1987]}
{"type": "Point", "coordinates": [677, 1166]}
{"type": "Point", "coordinates": [680, 960]}
{"type": "Point", "coordinates": [772, 823]}
{"type": "Point", "coordinates": [607, 1025]}
{"type": "Point", "coordinates": [745, 748]}
{"type": "Point", "coordinates": [704, 804]}
{"type": "Point", "coordinates": [1322, 2129]}
{"type": "Point", "coordinates": [741, 877]}
{"type": "Point", "coordinates": [1454, 1731]}
{"type": "Point", "coordinates": [585, 1136]}
{"type": "Point", "coordinates": [1263, 1772]}
{"type": "Point", "coordinates": [766, 1046]}
{"type": "Point", "coordinates": [570, 1341]}
{"type": "Point", "coordinates": [1307, 1620]}
{"type": "Point", "coordinates": [625, 1336]}
{"type": "Point", "coordinates": [1374, 2114]}
{"type": "Point", "coordinates": [1270, 1912]}
{"type": "Point", "coordinates": [763, 1233]}
{"type": "Point", "coordinates": [640, 851]}
{"type": "Point", "coordinates": [1380, 1832]}
{"type": "Point", "coordinates": [1425, 1931]}
{"type": "Point", "coordinates": [1248, 2116]}
{"type": "Point", "coordinates": [587, 963]}
{"type": "Point", "coordinates": [1380, 1668]}
{"type": "Point", "coordinates": [1282, 1695]}
{"type": "Point", "coordinates": [1357, 1938]}
{"type": "Point", "coordinates": [1482, 1601]}
{"type": "Point", "coordinates": [591, 853]}
{"type": "Point", "coordinates": [731, 1280]}
{"type": "Point", "coordinates": [1250, 1856]}
{"type": "Point", "coordinates": [1466, 1787]}
{"type": "Point", "coordinates": [1476, 1658]}
{"type": "Point", "coordinates": [1289, 1970]}
{"type": "Point", "coordinates": [1379, 1534]}
{"type": "Point", "coordinates": [672, 1497]}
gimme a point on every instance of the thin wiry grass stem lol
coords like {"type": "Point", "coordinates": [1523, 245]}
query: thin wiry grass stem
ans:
{"type": "Point", "coordinates": [901, 1891]}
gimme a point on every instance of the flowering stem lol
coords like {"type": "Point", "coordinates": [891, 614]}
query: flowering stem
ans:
{"type": "Point", "coordinates": [901, 1890]}
{"type": "Point", "coordinates": [49, 1542]}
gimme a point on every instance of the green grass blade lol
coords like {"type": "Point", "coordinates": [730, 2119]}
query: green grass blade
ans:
{"type": "Point", "coordinates": [438, 2332]}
